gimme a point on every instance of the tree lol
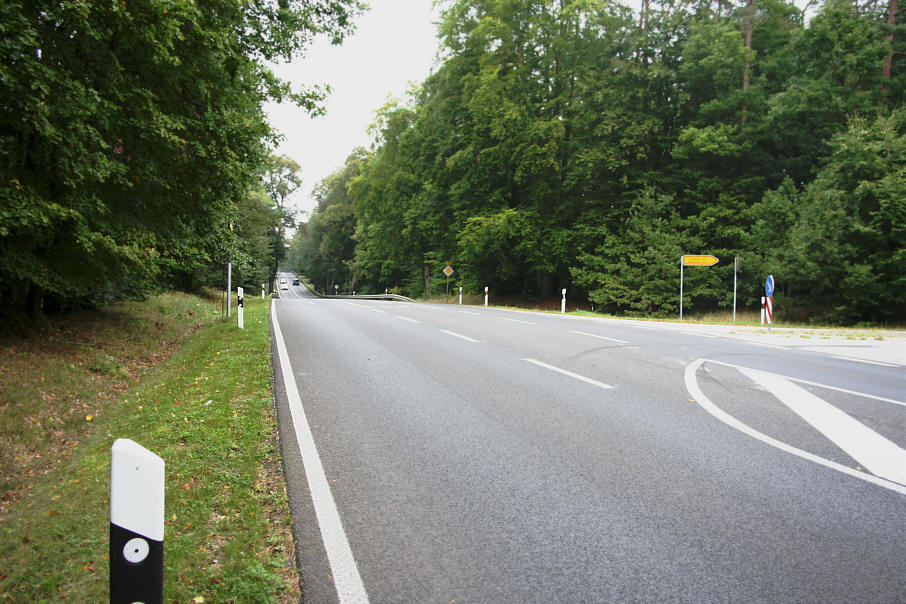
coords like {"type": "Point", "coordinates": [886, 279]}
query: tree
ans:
{"type": "Point", "coordinates": [129, 132]}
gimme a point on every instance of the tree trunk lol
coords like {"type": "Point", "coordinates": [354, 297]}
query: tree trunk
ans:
{"type": "Point", "coordinates": [748, 27]}
{"type": "Point", "coordinates": [33, 301]}
{"type": "Point", "coordinates": [891, 22]}
{"type": "Point", "coordinates": [645, 54]}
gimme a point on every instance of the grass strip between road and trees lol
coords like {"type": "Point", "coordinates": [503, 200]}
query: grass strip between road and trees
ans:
{"type": "Point", "coordinates": [196, 390]}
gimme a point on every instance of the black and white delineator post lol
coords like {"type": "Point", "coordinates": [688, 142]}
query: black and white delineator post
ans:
{"type": "Point", "coordinates": [563, 301]}
{"type": "Point", "coordinates": [136, 524]}
{"type": "Point", "coordinates": [240, 308]}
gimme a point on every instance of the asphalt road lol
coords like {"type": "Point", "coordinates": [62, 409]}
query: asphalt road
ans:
{"type": "Point", "coordinates": [483, 455]}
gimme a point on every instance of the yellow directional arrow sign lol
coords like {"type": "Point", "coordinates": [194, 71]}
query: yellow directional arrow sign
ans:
{"type": "Point", "coordinates": [699, 260]}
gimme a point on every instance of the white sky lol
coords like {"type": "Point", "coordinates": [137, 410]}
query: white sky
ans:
{"type": "Point", "coordinates": [394, 45]}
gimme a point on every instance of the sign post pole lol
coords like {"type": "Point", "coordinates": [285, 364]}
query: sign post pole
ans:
{"type": "Point", "coordinates": [735, 266]}
{"type": "Point", "coordinates": [681, 265]}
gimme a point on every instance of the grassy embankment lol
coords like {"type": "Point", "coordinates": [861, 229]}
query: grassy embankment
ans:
{"type": "Point", "coordinates": [171, 375]}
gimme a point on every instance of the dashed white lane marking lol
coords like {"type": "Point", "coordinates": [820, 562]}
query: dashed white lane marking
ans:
{"type": "Point", "coordinates": [459, 335]}
{"type": "Point", "coordinates": [467, 312]}
{"type": "Point", "coordinates": [407, 319]}
{"type": "Point", "coordinates": [769, 345]}
{"type": "Point", "coordinates": [379, 310]}
{"type": "Point", "coordinates": [592, 335]}
{"type": "Point", "coordinates": [880, 456]}
{"type": "Point", "coordinates": [705, 403]}
{"type": "Point", "coordinates": [695, 333]}
{"type": "Point", "coordinates": [346, 578]}
{"type": "Point", "coordinates": [576, 376]}
{"type": "Point", "coordinates": [354, 304]}
{"type": "Point", "coordinates": [517, 321]}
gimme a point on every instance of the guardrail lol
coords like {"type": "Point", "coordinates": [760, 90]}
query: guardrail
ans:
{"type": "Point", "coordinates": [396, 297]}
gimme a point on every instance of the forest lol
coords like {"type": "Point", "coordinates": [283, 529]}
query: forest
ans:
{"type": "Point", "coordinates": [135, 154]}
{"type": "Point", "coordinates": [581, 144]}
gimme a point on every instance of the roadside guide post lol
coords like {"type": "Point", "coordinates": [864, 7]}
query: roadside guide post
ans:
{"type": "Point", "coordinates": [136, 524]}
{"type": "Point", "coordinates": [485, 295]}
{"type": "Point", "coordinates": [563, 302]}
{"type": "Point", "coordinates": [460, 295]}
{"type": "Point", "coordinates": [262, 291]}
{"type": "Point", "coordinates": [240, 314]}
{"type": "Point", "coordinates": [688, 260]}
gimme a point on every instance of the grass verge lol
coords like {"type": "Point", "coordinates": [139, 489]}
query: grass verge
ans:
{"type": "Point", "coordinates": [201, 401]}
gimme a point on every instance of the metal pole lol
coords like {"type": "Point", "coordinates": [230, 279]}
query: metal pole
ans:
{"type": "Point", "coordinates": [229, 286]}
{"type": "Point", "coordinates": [735, 266]}
{"type": "Point", "coordinates": [681, 288]}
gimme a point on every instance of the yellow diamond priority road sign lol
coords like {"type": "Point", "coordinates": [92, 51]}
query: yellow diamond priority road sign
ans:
{"type": "Point", "coordinates": [699, 260]}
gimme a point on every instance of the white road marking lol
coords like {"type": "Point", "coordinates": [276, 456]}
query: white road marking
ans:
{"type": "Point", "coordinates": [354, 304]}
{"type": "Point", "coordinates": [705, 403]}
{"type": "Point", "coordinates": [346, 578]}
{"type": "Point", "coordinates": [877, 454]}
{"type": "Point", "coordinates": [591, 335]}
{"type": "Point", "coordinates": [407, 319]}
{"type": "Point", "coordinates": [458, 335]}
{"type": "Point", "coordinates": [770, 345]}
{"type": "Point", "coordinates": [379, 310]}
{"type": "Point", "coordinates": [517, 321]}
{"type": "Point", "coordinates": [837, 356]}
{"type": "Point", "coordinates": [570, 374]}
{"type": "Point", "coordinates": [827, 387]}
{"type": "Point", "coordinates": [695, 333]}
{"type": "Point", "coordinates": [466, 312]}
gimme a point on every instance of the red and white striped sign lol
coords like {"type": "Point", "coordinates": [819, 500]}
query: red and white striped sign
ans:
{"type": "Point", "coordinates": [769, 307]}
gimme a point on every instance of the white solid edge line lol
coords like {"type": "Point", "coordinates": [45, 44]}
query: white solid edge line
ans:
{"type": "Point", "coordinates": [459, 335]}
{"type": "Point", "coordinates": [827, 387]}
{"type": "Point", "coordinates": [570, 374]}
{"type": "Point", "coordinates": [591, 335]}
{"type": "Point", "coordinates": [705, 403]}
{"type": "Point", "coordinates": [517, 321]}
{"type": "Point", "coordinates": [347, 580]}
{"type": "Point", "coordinates": [881, 363]}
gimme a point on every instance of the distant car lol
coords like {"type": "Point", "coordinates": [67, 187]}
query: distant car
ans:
{"type": "Point", "coordinates": [282, 281]}
{"type": "Point", "coordinates": [296, 282]}
{"type": "Point", "coordinates": [284, 287]}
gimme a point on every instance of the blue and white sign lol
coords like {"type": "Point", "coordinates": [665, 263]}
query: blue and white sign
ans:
{"type": "Point", "coordinates": [769, 286]}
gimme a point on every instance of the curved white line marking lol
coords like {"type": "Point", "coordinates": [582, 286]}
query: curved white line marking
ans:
{"type": "Point", "coordinates": [705, 403]}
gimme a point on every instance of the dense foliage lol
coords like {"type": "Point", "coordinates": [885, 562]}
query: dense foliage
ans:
{"type": "Point", "coordinates": [133, 143]}
{"type": "Point", "coordinates": [577, 144]}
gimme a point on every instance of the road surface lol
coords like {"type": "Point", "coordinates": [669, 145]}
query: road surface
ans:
{"type": "Point", "coordinates": [484, 455]}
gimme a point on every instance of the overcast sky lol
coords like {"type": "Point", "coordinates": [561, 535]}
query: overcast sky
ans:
{"type": "Point", "coordinates": [394, 44]}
